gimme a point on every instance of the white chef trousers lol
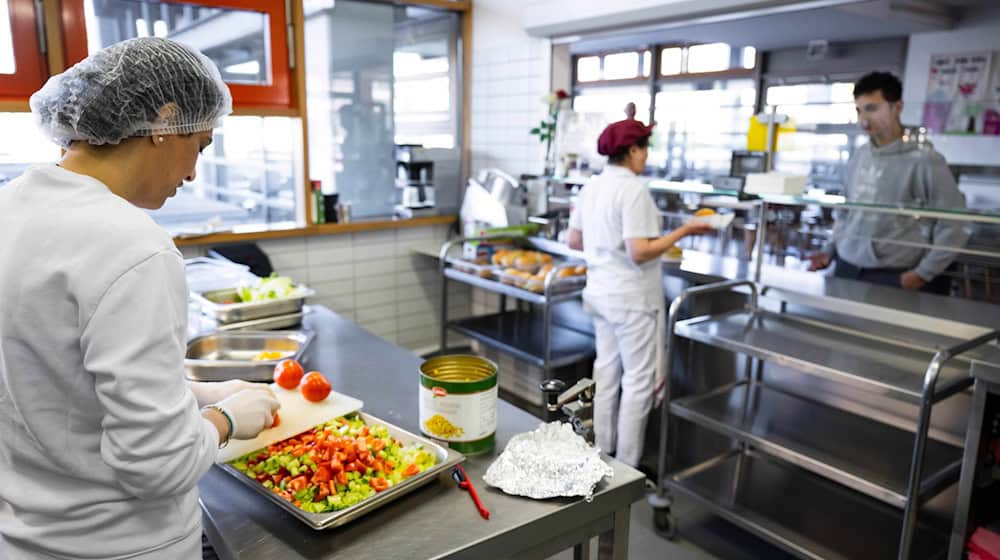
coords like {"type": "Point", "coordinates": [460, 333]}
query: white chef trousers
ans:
{"type": "Point", "coordinates": [627, 372]}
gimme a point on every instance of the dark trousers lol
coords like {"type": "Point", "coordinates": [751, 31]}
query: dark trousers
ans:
{"type": "Point", "coordinates": [889, 277]}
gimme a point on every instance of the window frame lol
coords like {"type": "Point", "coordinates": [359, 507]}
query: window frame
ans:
{"type": "Point", "coordinates": [278, 95]}
{"type": "Point", "coordinates": [31, 66]}
{"type": "Point", "coordinates": [639, 78]}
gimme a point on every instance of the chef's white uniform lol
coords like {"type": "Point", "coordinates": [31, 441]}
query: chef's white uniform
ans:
{"type": "Point", "coordinates": [101, 442]}
{"type": "Point", "coordinates": [626, 301]}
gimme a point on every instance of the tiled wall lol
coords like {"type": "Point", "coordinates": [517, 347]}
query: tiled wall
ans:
{"type": "Point", "coordinates": [508, 83]}
{"type": "Point", "coordinates": [377, 279]}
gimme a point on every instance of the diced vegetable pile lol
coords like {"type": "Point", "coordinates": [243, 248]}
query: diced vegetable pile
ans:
{"type": "Point", "coordinates": [334, 465]}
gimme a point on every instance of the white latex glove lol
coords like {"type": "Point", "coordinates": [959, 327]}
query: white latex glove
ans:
{"type": "Point", "coordinates": [251, 410]}
{"type": "Point", "coordinates": [211, 392]}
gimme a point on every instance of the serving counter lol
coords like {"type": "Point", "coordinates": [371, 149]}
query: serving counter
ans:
{"type": "Point", "coordinates": [436, 521]}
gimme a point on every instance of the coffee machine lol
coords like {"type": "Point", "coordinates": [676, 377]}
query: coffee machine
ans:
{"type": "Point", "coordinates": [415, 180]}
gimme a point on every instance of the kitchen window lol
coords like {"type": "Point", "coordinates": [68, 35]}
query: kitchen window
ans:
{"type": "Point", "coordinates": [626, 65]}
{"type": "Point", "coordinates": [826, 131]}
{"type": "Point", "coordinates": [247, 40]}
{"type": "Point", "coordinates": [594, 107]}
{"type": "Point", "coordinates": [702, 98]}
{"type": "Point", "coordinates": [706, 58]}
{"type": "Point", "coordinates": [249, 176]}
{"type": "Point", "coordinates": [380, 75]}
{"type": "Point", "coordinates": [22, 65]}
{"type": "Point", "coordinates": [22, 145]}
{"type": "Point", "coordinates": [699, 124]}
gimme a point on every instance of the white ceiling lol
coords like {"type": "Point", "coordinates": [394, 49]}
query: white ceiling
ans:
{"type": "Point", "coordinates": [855, 22]}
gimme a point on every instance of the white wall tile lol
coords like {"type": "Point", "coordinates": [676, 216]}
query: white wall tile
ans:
{"type": "Point", "coordinates": [317, 256]}
{"type": "Point", "coordinates": [282, 260]}
{"type": "Point", "coordinates": [369, 313]}
{"type": "Point", "coordinates": [416, 233]}
{"type": "Point", "coordinates": [329, 273]}
{"type": "Point", "coordinates": [374, 237]}
{"type": "Point", "coordinates": [285, 245]}
{"type": "Point", "coordinates": [374, 268]}
{"type": "Point", "coordinates": [339, 303]}
{"type": "Point", "coordinates": [374, 251]}
{"type": "Point", "coordinates": [379, 282]}
{"type": "Point", "coordinates": [418, 321]}
{"type": "Point", "coordinates": [327, 242]}
{"type": "Point", "coordinates": [334, 288]}
{"type": "Point", "coordinates": [374, 298]}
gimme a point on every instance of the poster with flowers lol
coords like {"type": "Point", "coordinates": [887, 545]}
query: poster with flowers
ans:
{"type": "Point", "coordinates": [957, 92]}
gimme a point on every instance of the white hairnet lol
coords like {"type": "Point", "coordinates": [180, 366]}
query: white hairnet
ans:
{"type": "Point", "coordinates": [138, 87]}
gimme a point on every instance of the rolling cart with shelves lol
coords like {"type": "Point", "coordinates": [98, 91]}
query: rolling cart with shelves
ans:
{"type": "Point", "coordinates": [815, 479]}
{"type": "Point", "coordinates": [530, 335]}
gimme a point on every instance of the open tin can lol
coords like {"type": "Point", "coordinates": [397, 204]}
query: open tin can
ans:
{"type": "Point", "coordinates": [458, 402]}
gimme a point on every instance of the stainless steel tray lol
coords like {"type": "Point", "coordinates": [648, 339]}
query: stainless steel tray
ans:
{"type": "Point", "coordinates": [446, 460]}
{"type": "Point", "coordinates": [265, 323]}
{"type": "Point", "coordinates": [214, 304]}
{"type": "Point", "coordinates": [221, 356]}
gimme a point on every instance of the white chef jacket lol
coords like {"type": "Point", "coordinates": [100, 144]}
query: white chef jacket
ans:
{"type": "Point", "coordinates": [626, 301]}
{"type": "Point", "coordinates": [101, 442]}
{"type": "Point", "coordinates": [613, 207]}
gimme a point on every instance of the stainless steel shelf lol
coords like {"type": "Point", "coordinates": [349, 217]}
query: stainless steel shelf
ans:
{"type": "Point", "coordinates": [828, 351]}
{"type": "Point", "coordinates": [802, 513]}
{"type": "Point", "coordinates": [512, 291]}
{"type": "Point", "coordinates": [860, 453]}
{"type": "Point", "coordinates": [520, 335]}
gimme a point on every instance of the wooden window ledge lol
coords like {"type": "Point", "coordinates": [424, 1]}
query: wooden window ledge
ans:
{"type": "Point", "coordinates": [377, 224]}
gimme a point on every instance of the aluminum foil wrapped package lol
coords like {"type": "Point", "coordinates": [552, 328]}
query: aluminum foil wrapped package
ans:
{"type": "Point", "coordinates": [549, 462]}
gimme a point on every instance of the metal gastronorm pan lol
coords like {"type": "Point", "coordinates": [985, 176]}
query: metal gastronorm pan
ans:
{"type": "Point", "coordinates": [214, 304]}
{"type": "Point", "coordinates": [221, 356]}
{"type": "Point", "coordinates": [446, 460]}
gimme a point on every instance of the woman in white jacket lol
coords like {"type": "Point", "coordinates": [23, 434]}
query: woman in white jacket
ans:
{"type": "Point", "coordinates": [102, 441]}
{"type": "Point", "coordinates": [618, 227]}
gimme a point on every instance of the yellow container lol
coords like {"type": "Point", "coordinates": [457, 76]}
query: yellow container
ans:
{"type": "Point", "coordinates": [458, 402]}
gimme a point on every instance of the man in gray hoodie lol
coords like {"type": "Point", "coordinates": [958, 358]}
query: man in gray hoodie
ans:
{"type": "Point", "coordinates": [884, 248]}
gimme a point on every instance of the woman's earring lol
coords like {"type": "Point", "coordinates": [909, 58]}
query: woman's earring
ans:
{"type": "Point", "coordinates": [159, 139]}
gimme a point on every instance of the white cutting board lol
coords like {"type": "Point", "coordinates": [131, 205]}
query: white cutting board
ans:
{"type": "Point", "coordinates": [297, 415]}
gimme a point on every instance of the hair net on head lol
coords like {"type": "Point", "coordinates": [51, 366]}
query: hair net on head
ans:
{"type": "Point", "coordinates": [138, 87]}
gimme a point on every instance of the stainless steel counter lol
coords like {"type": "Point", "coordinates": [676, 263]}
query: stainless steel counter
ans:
{"type": "Point", "coordinates": [959, 317]}
{"type": "Point", "coordinates": [437, 521]}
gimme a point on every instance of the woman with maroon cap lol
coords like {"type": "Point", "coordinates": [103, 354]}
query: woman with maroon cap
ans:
{"type": "Point", "coordinates": [617, 225]}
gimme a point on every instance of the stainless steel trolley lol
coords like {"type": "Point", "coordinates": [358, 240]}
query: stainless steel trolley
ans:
{"type": "Point", "coordinates": [846, 480]}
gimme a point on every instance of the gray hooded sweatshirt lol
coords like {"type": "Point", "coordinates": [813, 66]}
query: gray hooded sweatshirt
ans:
{"type": "Point", "coordinates": [898, 174]}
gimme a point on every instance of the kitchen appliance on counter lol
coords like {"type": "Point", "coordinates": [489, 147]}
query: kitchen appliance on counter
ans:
{"type": "Point", "coordinates": [493, 198]}
{"type": "Point", "coordinates": [415, 180]}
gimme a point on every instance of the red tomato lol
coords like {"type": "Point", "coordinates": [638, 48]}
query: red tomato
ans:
{"type": "Point", "coordinates": [287, 374]}
{"type": "Point", "coordinates": [378, 445]}
{"type": "Point", "coordinates": [322, 474]}
{"type": "Point", "coordinates": [379, 484]}
{"type": "Point", "coordinates": [315, 387]}
{"type": "Point", "coordinates": [342, 478]}
{"type": "Point", "coordinates": [276, 421]}
{"type": "Point", "coordinates": [296, 484]}
{"type": "Point", "coordinates": [411, 470]}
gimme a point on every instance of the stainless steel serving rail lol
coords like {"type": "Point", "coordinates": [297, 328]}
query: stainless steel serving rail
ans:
{"type": "Point", "coordinates": [862, 454]}
{"type": "Point", "coordinates": [544, 345]}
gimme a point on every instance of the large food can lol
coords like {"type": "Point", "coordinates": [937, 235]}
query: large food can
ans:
{"type": "Point", "coordinates": [458, 402]}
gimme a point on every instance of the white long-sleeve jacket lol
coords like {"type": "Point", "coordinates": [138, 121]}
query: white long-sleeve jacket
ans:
{"type": "Point", "coordinates": [101, 442]}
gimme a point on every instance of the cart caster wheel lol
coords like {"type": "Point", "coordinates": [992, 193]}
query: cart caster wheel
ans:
{"type": "Point", "coordinates": [665, 524]}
